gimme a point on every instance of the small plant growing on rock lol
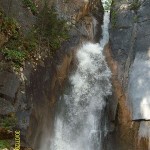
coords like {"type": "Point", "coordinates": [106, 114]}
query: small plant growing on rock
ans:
{"type": "Point", "coordinates": [135, 5]}
{"type": "Point", "coordinates": [52, 28]}
{"type": "Point", "coordinates": [107, 5]}
{"type": "Point", "coordinates": [45, 38]}
{"type": "Point", "coordinates": [30, 4]}
{"type": "Point", "coordinates": [113, 18]}
{"type": "Point", "coordinates": [8, 26]}
{"type": "Point", "coordinates": [30, 42]}
{"type": "Point", "coordinates": [17, 56]}
{"type": "Point", "coordinates": [8, 122]}
{"type": "Point", "coordinates": [4, 144]}
{"type": "Point", "coordinates": [18, 48]}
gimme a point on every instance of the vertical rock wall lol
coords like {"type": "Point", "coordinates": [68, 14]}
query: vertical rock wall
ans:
{"type": "Point", "coordinates": [128, 58]}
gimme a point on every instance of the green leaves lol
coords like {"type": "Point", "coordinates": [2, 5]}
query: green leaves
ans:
{"type": "Point", "coordinates": [4, 144]}
{"type": "Point", "coordinates": [8, 122]}
{"type": "Point", "coordinates": [18, 48]}
{"type": "Point", "coordinates": [31, 5]}
{"type": "Point", "coordinates": [14, 55]}
{"type": "Point", "coordinates": [9, 26]}
{"type": "Point", "coordinates": [45, 37]}
{"type": "Point", "coordinates": [52, 28]}
{"type": "Point", "coordinates": [113, 18]}
{"type": "Point", "coordinates": [107, 5]}
{"type": "Point", "coordinates": [135, 5]}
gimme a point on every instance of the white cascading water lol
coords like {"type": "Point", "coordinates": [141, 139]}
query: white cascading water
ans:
{"type": "Point", "coordinates": [77, 122]}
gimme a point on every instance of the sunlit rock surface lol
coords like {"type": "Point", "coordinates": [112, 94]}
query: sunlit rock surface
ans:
{"type": "Point", "coordinates": [139, 88]}
{"type": "Point", "coordinates": [128, 59]}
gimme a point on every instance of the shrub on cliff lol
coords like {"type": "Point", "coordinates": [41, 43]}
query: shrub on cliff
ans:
{"type": "Point", "coordinates": [43, 40]}
{"type": "Point", "coordinates": [17, 49]}
{"type": "Point", "coordinates": [135, 5]}
{"type": "Point", "coordinates": [31, 5]}
{"type": "Point", "coordinates": [8, 26]}
{"type": "Point", "coordinates": [107, 5]}
{"type": "Point", "coordinates": [51, 28]}
{"type": "Point", "coordinates": [4, 144]}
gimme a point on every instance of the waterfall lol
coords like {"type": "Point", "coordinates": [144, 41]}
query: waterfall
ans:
{"type": "Point", "coordinates": [78, 120]}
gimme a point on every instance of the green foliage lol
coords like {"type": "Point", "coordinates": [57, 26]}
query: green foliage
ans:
{"type": "Point", "coordinates": [8, 26]}
{"type": "Point", "coordinates": [30, 42]}
{"type": "Point", "coordinates": [11, 50]}
{"type": "Point", "coordinates": [8, 122]}
{"type": "Point", "coordinates": [4, 144]}
{"type": "Point", "coordinates": [18, 48]}
{"type": "Point", "coordinates": [52, 28]}
{"type": "Point", "coordinates": [107, 5]}
{"type": "Point", "coordinates": [113, 18]}
{"type": "Point", "coordinates": [31, 5]}
{"type": "Point", "coordinates": [135, 5]}
{"type": "Point", "coordinates": [14, 55]}
{"type": "Point", "coordinates": [135, 18]}
{"type": "Point", "coordinates": [50, 32]}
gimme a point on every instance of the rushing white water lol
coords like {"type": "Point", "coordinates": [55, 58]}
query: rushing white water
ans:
{"type": "Point", "coordinates": [78, 120]}
{"type": "Point", "coordinates": [77, 123]}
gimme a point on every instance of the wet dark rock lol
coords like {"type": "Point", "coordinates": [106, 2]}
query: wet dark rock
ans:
{"type": "Point", "coordinates": [9, 84]}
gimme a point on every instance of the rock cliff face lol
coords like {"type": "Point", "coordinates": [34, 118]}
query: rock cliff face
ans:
{"type": "Point", "coordinates": [128, 57]}
{"type": "Point", "coordinates": [32, 93]}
